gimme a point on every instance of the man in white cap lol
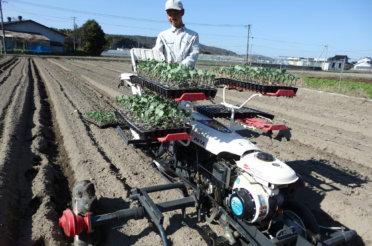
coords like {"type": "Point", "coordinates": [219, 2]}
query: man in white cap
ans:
{"type": "Point", "coordinates": [178, 44]}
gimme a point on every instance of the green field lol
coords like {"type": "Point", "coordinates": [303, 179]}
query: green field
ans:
{"type": "Point", "coordinates": [352, 88]}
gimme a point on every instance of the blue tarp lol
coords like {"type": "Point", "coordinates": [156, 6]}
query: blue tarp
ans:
{"type": "Point", "coordinates": [39, 48]}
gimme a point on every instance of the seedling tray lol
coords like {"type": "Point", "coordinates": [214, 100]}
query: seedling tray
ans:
{"type": "Point", "coordinates": [169, 92]}
{"type": "Point", "coordinates": [153, 134]}
{"type": "Point", "coordinates": [220, 111]}
{"type": "Point", "coordinates": [253, 86]}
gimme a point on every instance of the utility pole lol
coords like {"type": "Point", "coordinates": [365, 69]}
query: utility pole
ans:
{"type": "Point", "coordinates": [249, 31]}
{"type": "Point", "coordinates": [325, 52]}
{"type": "Point", "coordinates": [342, 69]}
{"type": "Point", "coordinates": [2, 27]}
{"type": "Point", "coordinates": [74, 34]}
{"type": "Point", "coordinates": [252, 54]}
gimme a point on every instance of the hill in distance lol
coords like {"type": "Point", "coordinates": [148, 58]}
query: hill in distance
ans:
{"type": "Point", "coordinates": [128, 42]}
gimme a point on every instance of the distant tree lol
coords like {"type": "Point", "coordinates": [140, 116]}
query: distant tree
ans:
{"type": "Point", "coordinates": [69, 39]}
{"type": "Point", "coordinates": [92, 37]}
{"type": "Point", "coordinates": [107, 44]}
{"type": "Point", "coordinates": [119, 41]}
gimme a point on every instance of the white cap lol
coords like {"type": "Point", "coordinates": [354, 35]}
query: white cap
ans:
{"type": "Point", "coordinates": [173, 4]}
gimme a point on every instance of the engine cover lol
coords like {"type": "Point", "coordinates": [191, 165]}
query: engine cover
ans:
{"type": "Point", "coordinates": [265, 167]}
{"type": "Point", "coordinates": [249, 201]}
{"type": "Point", "coordinates": [243, 205]}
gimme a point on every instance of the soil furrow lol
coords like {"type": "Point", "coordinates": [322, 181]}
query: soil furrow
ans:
{"type": "Point", "coordinates": [85, 86]}
{"type": "Point", "coordinates": [5, 65]}
{"type": "Point", "coordinates": [99, 66]}
{"type": "Point", "coordinates": [4, 59]}
{"type": "Point", "coordinates": [5, 76]}
{"type": "Point", "coordinates": [14, 154]}
{"type": "Point", "coordinates": [83, 159]}
{"type": "Point", "coordinates": [50, 176]}
{"type": "Point", "coordinates": [92, 97]}
{"type": "Point", "coordinates": [105, 78]}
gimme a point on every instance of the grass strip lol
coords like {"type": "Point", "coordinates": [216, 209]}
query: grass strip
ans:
{"type": "Point", "coordinates": [360, 89]}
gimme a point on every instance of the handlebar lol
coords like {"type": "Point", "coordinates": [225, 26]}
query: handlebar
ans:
{"type": "Point", "coordinates": [228, 105]}
{"type": "Point", "coordinates": [233, 107]}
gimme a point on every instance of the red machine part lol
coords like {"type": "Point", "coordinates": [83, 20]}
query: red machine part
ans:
{"type": "Point", "coordinates": [261, 124]}
{"type": "Point", "coordinates": [192, 97]}
{"type": "Point", "coordinates": [74, 224]}
{"type": "Point", "coordinates": [278, 93]}
{"type": "Point", "coordinates": [175, 137]}
{"type": "Point", "coordinates": [282, 93]}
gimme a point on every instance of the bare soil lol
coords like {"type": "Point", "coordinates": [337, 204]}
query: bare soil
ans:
{"type": "Point", "coordinates": [45, 146]}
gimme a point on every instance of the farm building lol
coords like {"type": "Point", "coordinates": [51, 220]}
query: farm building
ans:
{"type": "Point", "coordinates": [336, 63]}
{"type": "Point", "coordinates": [364, 64]}
{"type": "Point", "coordinates": [33, 37]}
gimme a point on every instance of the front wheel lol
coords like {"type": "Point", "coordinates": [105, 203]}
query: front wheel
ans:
{"type": "Point", "coordinates": [83, 200]}
{"type": "Point", "coordinates": [300, 217]}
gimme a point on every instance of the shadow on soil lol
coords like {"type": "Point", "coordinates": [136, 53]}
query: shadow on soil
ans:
{"type": "Point", "coordinates": [111, 236]}
{"type": "Point", "coordinates": [320, 176]}
{"type": "Point", "coordinates": [276, 135]}
{"type": "Point", "coordinates": [107, 233]}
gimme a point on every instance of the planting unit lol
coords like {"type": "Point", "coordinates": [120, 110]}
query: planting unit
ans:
{"type": "Point", "coordinates": [137, 135]}
{"type": "Point", "coordinates": [265, 89]}
{"type": "Point", "coordinates": [224, 176]}
{"type": "Point", "coordinates": [169, 92]}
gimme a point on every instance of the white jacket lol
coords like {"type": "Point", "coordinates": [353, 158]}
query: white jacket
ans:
{"type": "Point", "coordinates": [179, 45]}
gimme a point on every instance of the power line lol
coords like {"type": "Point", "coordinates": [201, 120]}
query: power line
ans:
{"type": "Point", "coordinates": [17, 9]}
{"type": "Point", "coordinates": [117, 16]}
{"type": "Point", "coordinates": [288, 42]}
{"type": "Point", "coordinates": [85, 12]}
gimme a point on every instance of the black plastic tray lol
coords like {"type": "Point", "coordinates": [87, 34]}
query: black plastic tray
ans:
{"type": "Point", "coordinates": [253, 86]}
{"type": "Point", "coordinates": [171, 92]}
{"type": "Point", "coordinates": [220, 111]}
{"type": "Point", "coordinates": [153, 134]}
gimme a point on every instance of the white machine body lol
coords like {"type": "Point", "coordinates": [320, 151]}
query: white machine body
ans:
{"type": "Point", "coordinates": [217, 138]}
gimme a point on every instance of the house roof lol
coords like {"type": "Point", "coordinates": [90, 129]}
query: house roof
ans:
{"type": "Point", "coordinates": [27, 36]}
{"type": "Point", "coordinates": [30, 21]}
{"type": "Point", "coordinates": [365, 59]}
{"type": "Point", "coordinates": [338, 58]}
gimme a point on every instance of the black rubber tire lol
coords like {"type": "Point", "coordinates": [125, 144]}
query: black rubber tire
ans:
{"type": "Point", "coordinates": [308, 219]}
{"type": "Point", "coordinates": [83, 201]}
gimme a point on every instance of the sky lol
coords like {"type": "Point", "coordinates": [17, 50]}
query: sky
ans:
{"type": "Point", "coordinates": [279, 28]}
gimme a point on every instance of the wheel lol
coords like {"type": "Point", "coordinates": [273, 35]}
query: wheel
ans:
{"type": "Point", "coordinates": [298, 215]}
{"type": "Point", "coordinates": [83, 200]}
{"type": "Point", "coordinates": [158, 150]}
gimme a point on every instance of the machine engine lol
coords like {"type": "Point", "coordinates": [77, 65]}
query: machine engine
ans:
{"type": "Point", "coordinates": [256, 191]}
{"type": "Point", "coordinates": [253, 190]}
{"type": "Point", "coordinates": [250, 185]}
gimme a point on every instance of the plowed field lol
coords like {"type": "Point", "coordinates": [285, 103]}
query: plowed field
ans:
{"type": "Point", "coordinates": [45, 146]}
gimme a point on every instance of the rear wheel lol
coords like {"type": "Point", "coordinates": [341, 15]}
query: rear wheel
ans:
{"type": "Point", "coordinates": [300, 217]}
{"type": "Point", "coordinates": [83, 201]}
